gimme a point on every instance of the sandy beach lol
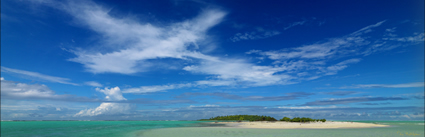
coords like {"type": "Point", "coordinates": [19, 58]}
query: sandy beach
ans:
{"type": "Point", "coordinates": [287, 129]}
{"type": "Point", "coordinates": [295, 125]}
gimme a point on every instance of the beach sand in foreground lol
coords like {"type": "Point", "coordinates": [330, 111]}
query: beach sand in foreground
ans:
{"type": "Point", "coordinates": [295, 125]}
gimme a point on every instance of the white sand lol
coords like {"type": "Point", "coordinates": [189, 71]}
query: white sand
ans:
{"type": "Point", "coordinates": [294, 125]}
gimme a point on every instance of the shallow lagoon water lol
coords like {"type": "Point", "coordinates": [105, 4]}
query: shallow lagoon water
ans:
{"type": "Point", "coordinates": [192, 129]}
{"type": "Point", "coordinates": [85, 128]}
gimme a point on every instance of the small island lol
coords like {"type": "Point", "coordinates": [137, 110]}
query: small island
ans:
{"type": "Point", "coordinates": [256, 121]}
{"type": "Point", "coordinates": [261, 118]}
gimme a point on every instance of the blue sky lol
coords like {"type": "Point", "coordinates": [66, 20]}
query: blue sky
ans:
{"type": "Point", "coordinates": [187, 60]}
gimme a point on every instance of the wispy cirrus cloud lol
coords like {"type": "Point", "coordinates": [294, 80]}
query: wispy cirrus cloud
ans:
{"type": "Point", "coordinates": [288, 96]}
{"type": "Point", "coordinates": [15, 90]}
{"type": "Point", "coordinates": [309, 107]}
{"type": "Point", "coordinates": [335, 101]}
{"type": "Point", "coordinates": [335, 47]}
{"type": "Point", "coordinates": [313, 61]}
{"type": "Point", "coordinates": [386, 103]}
{"type": "Point", "coordinates": [259, 34]}
{"type": "Point", "coordinates": [294, 24]}
{"type": "Point", "coordinates": [340, 93]}
{"type": "Point", "coordinates": [332, 70]}
{"type": "Point", "coordinates": [93, 84]}
{"type": "Point", "coordinates": [157, 88]}
{"type": "Point", "coordinates": [38, 76]}
{"type": "Point", "coordinates": [419, 37]}
{"type": "Point", "coordinates": [131, 46]}
{"type": "Point", "coordinates": [404, 85]}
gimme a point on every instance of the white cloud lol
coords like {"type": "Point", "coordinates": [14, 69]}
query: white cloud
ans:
{"type": "Point", "coordinates": [404, 85]}
{"type": "Point", "coordinates": [333, 47]}
{"type": "Point", "coordinates": [254, 35]}
{"type": "Point", "coordinates": [38, 76]}
{"type": "Point", "coordinates": [105, 109]}
{"type": "Point", "coordinates": [112, 94]}
{"type": "Point", "coordinates": [216, 82]}
{"type": "Point", "coordinates": [93, 83]}
{"type": "Point", "coordinates": [207, 105]}
{"type": "Point", "coordinates": [417, 38]}
{"type": "Point", "coordinates": [315, 51]}
{"type": "Point", "coordinates": [19, 91]}
{"type": "Point", "coordinates": [240, 71]}
{"type": "Point", "coordinates": [308, 107]}
{"type": "Point", "coordinates": [130, 44]}
{"type": "Point", "coordinates": [294, 24]}
{"type": "Point", "coordinates": [134, 43]}
{"type": "Point", "coordinates": [332, 70]}
{"type": "Point", "coordinates": [157, 88]}
{"type": "Point", "coordinates": [367, 29]}
{"type": "Point", "coordinates": [313, 61]}
{"type": "Point", "coordinates": [11, 89]}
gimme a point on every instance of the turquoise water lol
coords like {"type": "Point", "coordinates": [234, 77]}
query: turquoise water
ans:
{"type": "Point", "coordinates": [85, 128]}
{"type": "Point", "coordinates": [192, 129]}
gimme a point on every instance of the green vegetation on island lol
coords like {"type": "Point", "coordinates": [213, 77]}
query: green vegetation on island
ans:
{"type": "Point", "coordinates": [261, 118]}
{"type": "Point", "coordinates": [303, 119]}
{"type": "Point", "coordinates": [243, 118]}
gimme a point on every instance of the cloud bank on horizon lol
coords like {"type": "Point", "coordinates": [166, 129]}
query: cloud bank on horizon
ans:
{"type": "Point", "coordinates": [150, 69]}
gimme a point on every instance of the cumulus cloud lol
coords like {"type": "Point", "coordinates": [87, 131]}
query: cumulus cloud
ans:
{"type": "Point", "coordinates": [38, 76]}
{"type": "Point", "coordinates": [112, 94]}
{"type": "Point", "coordinates": [105, 109]}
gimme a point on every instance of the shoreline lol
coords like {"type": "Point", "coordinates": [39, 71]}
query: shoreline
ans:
{"type": "Point", "coordinates": [296, 125]}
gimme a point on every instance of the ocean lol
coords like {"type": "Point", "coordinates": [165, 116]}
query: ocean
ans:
{"type": "Point", "coordinates": [192, 129]}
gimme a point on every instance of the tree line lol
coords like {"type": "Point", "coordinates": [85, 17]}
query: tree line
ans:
{"type": "Point", "coordinates": [262, 118]}
{"type": "Point", "coordinates": [303, 119]}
